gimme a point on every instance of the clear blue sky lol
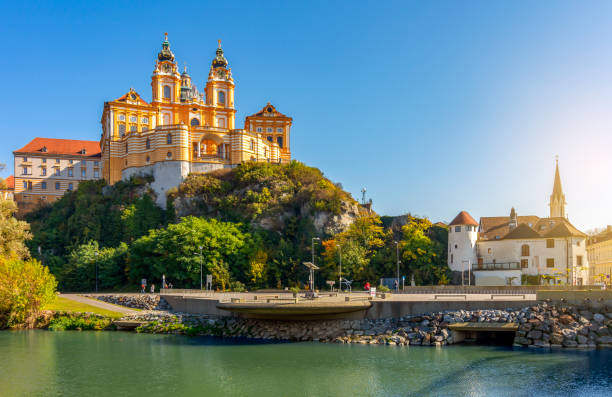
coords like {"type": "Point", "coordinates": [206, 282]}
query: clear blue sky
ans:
{"type": "Point", "coordinates": [435, 107]}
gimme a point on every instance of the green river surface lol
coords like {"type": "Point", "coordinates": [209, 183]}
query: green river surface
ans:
{"type": "Point", "coordinates": [72, 363]}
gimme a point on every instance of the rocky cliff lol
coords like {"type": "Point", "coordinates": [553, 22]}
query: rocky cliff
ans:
{"type": "Point", "coordinates": [271, 196]}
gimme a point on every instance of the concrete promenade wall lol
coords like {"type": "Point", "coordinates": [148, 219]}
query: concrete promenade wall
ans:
{"type": "Point", "coordinates": [397, 309]}
{"type": "Point", "coordinates": [380, 309]}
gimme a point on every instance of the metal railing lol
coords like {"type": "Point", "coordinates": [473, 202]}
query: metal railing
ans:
{"type": "Point", "coordinates": [496, 266]}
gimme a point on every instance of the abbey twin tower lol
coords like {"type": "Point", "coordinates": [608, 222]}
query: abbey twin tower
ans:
{"type": "Point", "coordinates": [184, 130]}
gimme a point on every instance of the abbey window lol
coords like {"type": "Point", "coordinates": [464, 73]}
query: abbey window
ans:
{"type": "Point", "coordinates": [169, 139]}
{"type": "Point", "coordinates": [148, 143]}
{"type": "Point", "coordinates": [221, 97]}
{"type": "Point", "coordinates": [167, 92]}
{"type": "Point", "coordinates": [195, 122]}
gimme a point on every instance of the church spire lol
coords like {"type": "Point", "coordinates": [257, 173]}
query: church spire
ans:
{"type": "Point", "coordinates": [557, 198]}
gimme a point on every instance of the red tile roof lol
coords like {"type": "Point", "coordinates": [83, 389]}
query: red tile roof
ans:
{"type": "Point", "coordinates": [522, 231]}
{"type": "Point", "coordinates": [496, 227]}
{"type": "Point", "coordinates": [463, 219]}
{"type": "Point", "coordinates": [61, 146]}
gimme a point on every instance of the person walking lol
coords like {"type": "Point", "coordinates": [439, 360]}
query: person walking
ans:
{"type": "Point", "coordinates": [152, 288]}
{"type": "Point", "coordinates": [142, 288]}
{"type": "Point", "coordinates": [366, 286]}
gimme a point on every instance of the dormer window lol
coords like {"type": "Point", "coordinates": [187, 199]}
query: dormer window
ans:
{"type": "Point", "coordinates": [44, 149]}
{"type": "Point", "coordinates": [83, 151]}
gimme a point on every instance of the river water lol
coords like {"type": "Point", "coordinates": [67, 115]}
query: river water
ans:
{"type": "Point", "coordinates": [71, 363]}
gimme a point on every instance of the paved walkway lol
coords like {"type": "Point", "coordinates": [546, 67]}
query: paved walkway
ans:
{"type": "Point", "coordinates": [100, 304]}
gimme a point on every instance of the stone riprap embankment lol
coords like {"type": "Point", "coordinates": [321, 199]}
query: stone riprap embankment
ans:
{"type": "Point", "coordinates": [542, 326]}
{"type": "Point", "coordinates": [583, 326]}
{"type": "Point", "coordinates": [140, 301]}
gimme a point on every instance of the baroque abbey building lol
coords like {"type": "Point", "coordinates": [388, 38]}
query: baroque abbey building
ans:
{"type": "Point", "coordinates": [184, 130]}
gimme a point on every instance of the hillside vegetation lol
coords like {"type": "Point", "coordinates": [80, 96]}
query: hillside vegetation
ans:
{"type": "Point", "coordinates": [251, 226]}
{"type": "Point", "coordinates": [274, 197]}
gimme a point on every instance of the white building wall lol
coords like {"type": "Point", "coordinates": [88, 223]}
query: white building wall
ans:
{"type": "Point", "coordinates": [461, 247]}
{"type": "Point", "coordinates": [564, 253]}
{"type": "Point", "coordinates": [497, 277]}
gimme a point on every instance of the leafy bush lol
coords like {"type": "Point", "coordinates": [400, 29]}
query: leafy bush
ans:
{"type": "Point", "coordinates": [237, 286]}
{"type": "Point", "coordinates": [13, 233]}
{"type": "Point", "coordinates": [80, 322]}
{"type": "Point", "coordinates": [25, 286]}
{"type": "Point", "coordinates": [383, 288]}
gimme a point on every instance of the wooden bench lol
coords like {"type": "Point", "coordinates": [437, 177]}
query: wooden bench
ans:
{"type": "Point", "coordinates": [507, 295]}
{"type": "Point", "coordinates": [262, 297]}
{"type": "Point", "coordinates": [293, 300]}
{"type": "Point", "coordinates": [450, 296]}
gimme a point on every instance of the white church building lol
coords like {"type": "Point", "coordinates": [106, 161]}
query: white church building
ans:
{"type": "Point", "coordinates": [502, 250]}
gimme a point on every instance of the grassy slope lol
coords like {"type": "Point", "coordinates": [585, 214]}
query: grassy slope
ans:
{"type": "Point", "coordinates": [67, 305]}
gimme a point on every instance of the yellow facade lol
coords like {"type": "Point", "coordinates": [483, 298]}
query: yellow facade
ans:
{"type": "Point", "coordinates": [184, 126]}
{"type": "Point", "coordinates": [599, 249]}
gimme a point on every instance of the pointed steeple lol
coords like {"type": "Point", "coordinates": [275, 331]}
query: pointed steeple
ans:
{"type": "Point", "coordinates": [557, 198]}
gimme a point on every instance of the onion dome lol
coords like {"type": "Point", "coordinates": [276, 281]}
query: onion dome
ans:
{"type": "Point", "coordinates": [165, 54]}
{"type": "Point", "coordinates": [219, 61]}
{"type": "Point", "coordinates": [185, 75]}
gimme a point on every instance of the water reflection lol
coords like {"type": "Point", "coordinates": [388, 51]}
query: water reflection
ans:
{"type": "Point", "coordinates": [116, 363]}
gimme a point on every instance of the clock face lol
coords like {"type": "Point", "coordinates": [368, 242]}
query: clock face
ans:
{"type": "Point", "coordinates": [166, 68]}
{"type": "Point", "coordinates": [221, 73]}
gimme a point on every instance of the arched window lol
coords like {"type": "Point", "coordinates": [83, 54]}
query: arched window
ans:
{"type": "Point", "coordinates": [195, 121]}
{"type": "Point", "coordinates": [167, 92]}
{"type": "Point", "coordinates": [524, 250]}
{"type": "Point", "coordinates": [169, 154]}
{"type": "Point", "coordinates": [148, 143]}
{"type": "Point", "coordinates": [169, 139]}
{"type": "Point", "coordinates": [221, 97]}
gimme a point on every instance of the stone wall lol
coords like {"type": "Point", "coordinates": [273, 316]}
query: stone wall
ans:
{"type": "Point", "coordinates": [544, 325]}
{"type": "Point", "coordinates": [142, 301]}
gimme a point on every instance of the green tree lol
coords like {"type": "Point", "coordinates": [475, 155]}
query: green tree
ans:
{"type": "Point", "coordinates": [358, 244]}
{"type": "Point", "coordinates": [421, 254]}
{"type": "Point", "coordinates": [79, 273]}
{"type": "Point", "coordinates": [25, 287]}
{"type": "Point", "coordinates": [13, 233]}
{"type": "Point", "coordinates": [174, 252]}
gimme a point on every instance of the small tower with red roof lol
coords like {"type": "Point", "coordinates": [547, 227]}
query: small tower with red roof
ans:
{"type": "Point", "coordinates": [462, 237]}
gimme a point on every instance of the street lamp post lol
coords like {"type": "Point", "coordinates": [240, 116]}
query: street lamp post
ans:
{"type": "Point", "coordinates": [313, 262]}
{"type": "Point", "coordinates": [398, 263]}
{"type": "Point", "coordinates": [340, 272]}
{"type": "Point", "coordinates": [200, 268]}
{"type": "Point", "coordinates": [96, 254]}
